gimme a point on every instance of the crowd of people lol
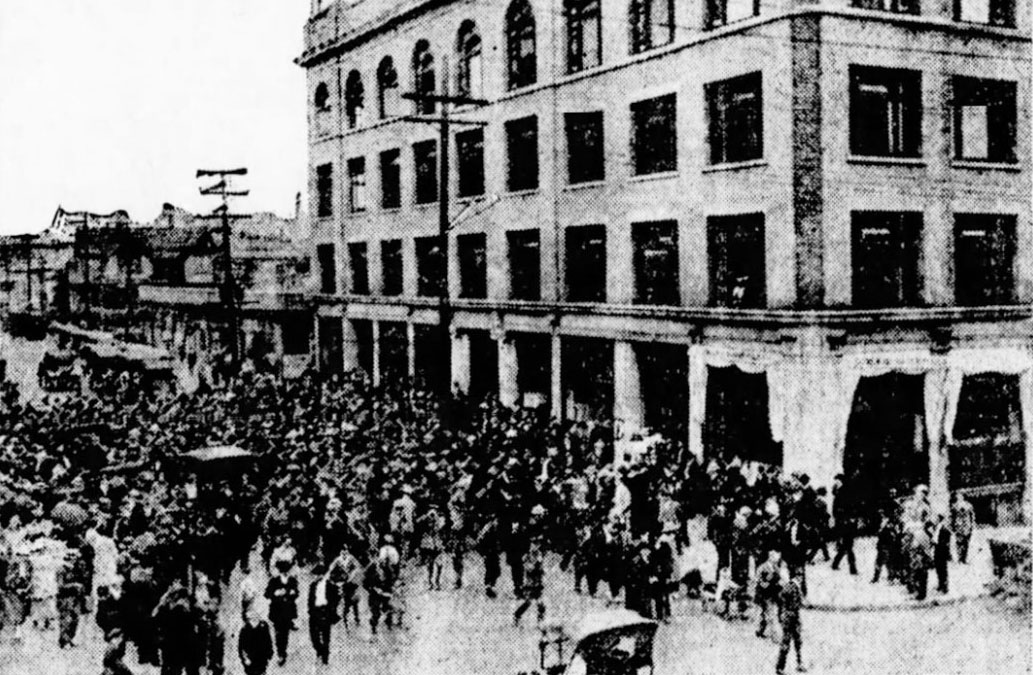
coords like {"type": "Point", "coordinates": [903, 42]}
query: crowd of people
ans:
{"type": "Point", "coordinates": [353, 483]}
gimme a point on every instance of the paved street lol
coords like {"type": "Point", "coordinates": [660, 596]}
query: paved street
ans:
{"type": "Point", "coordinates": [463, 632]}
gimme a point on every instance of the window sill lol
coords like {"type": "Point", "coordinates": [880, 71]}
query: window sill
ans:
{"type": "Point", "coordinates": [470, 199]}
{"type": "Point", "coordinates": [659, 175]}
{"type": "Point", "coordinates": [875, 160]}
{"type": "Point", "coordinates": [735, 166]}
{"type": "Point", "coordinates": [425, 205]}
{"type": "Point", "coordinates": [982, 165]}
{"type": "Point", "coordinates": [587, 185]}
{"type": "Point", "coordinates": [390, 209]}
{"type": "Point", "coordinates": [521, 193]}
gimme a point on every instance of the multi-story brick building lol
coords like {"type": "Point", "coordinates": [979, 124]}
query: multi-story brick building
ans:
{"type": "Point", "coordinates": [793, 232]}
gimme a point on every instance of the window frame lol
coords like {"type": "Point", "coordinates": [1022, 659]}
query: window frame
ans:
{"type": "Point", "coordinates": [644, 28]}
{"type": "Point", "coordinates": [650, 286]}
{"type": "Point", "coordinates": [517, 241]}
{"type": "Point", "coordinates": [993, 283]}
{"type": "Point", "coordinates": [649, 128]}
{"type": "Point", "coordinates": [578, 16]}
{"type": "Point", "coordinates": [521, 33]}
{"type": "Point", "coordinates": [727, 239]}
{"type": "Point", "coordinates": [391, 158]}
{"type": "Point", "coordinates": [585, 275]}
{"type": "Point", "coordinates": [424, 77]}
{"type": "Point", "coordinates": [430, 262]}
{"type": "Point", "coordinates": [472, 256]}
{"type": "Point", "coordinates": [392, 281]}
{"type": "Point", "coordinates": [469, 145]}
{"type": "Point", "coordinates": [354, 99]}
{"type": "Point", "coordinates": [358, 199]}
{"type": "Point", "coordinates": [1001, 115]}
{"type": "Point", "coordinates": [522, 165]}
{"type": "Point", "coordinates": [728, 115]}
{"type": "Point", "coordinates": [326, 259]}
{"type": "Point", "coordinates": [469, 49]}
{"type": "Point", "coordinates": [387, 81]}
{"type": "Point", "coordinates": [425, 181]}
{"type": "Point", "coordinates": [358, 258]}
{"type": "Point", "coordinates": [904, 111]}
{"type": "Point", "coordinates": [325, 190]}
{"type": "Point", "coordinates": [907, 238]}
{"type": "Point", "coordinates": [586, 161]}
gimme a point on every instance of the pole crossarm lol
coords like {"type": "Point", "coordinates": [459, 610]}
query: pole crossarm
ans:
{"type": "Point", "coordinates": [201, 173]}
{"type": "Point", "coordinates": [426, 119]}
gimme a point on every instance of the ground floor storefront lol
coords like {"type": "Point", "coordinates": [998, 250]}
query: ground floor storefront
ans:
{"type": "Point", "coordinates": [894, 406]}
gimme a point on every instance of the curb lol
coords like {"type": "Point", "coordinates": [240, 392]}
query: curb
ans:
{"type": "Point", "coordinates": [903, 605]}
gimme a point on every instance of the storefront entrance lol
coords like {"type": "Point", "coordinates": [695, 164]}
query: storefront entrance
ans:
{"type": "Point", "coordinates": [885, 454]}
{"type": "Point", "coordinates": [737, 417]}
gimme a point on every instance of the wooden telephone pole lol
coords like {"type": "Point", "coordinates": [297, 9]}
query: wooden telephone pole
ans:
{"type": "Point", "coordinates": [443, 122]}
{"type": "Point", "coordinates": [222, 190]}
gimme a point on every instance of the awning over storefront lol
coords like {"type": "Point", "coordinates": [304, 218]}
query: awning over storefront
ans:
{"type": "Point", "coordinates": [811, 397]}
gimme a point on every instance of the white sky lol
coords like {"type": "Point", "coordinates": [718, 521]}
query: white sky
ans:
{"type": "Point", "coordinates": [108, 104]}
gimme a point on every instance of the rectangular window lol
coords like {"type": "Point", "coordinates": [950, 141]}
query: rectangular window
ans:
{"type": "Point", "coordinates": [327, 268]}
{"type": "Point", "coordinates": [357, 184]}
{"type": "Point", "coordinates": [525, 265]}
{"type": "Point", "coordinates": [585, 154]}
{"type": "Point", "coordinates": [325, 190]}
{"type": "Point", "coordinates": [656, 263]}
{"type": "Point", "coordinates": [897, 6]}
{"type": "Point", "coordinates": [470, 161]}
{"type": "Point", "coordinates": [723, 12]}
{"type": "Point", "coordinates": [584, 35]}
{"type": "Point", "coordinates": [360, 268]}
{"type": "Point", "coordinates": [885, 259]}
{"type": "Point", "coordinates": [984, 259]}
{"type": "Point", "coordinates": [522, 151]}
{"type": "Point", "coordinates": [297, 337]}
{"type": "Point", "coordinates": [425, 160]}
{"type": "Point", "coordinates": [586, 263]}
{"type": "Point", "coordinates": [430, 268]}
{"type": "Point", "coordinates": [990, 12]}
{"type": "Point", "coordinates": [984, 120]}
{"type": "Point", "coordinates": [654, 135]}
{"type": "Point", "coordinates": [885, 112]}
{"type": "Point", "coordinates": [473, 265]}
{"type": "Point", "coordinates": [391, 266]}
{"type": "Point", "coordinates": [736, 119]}
{"type": "Point", "coordinates": [736, 261]}
{"type": "Point", "coordinates": [390, 179]}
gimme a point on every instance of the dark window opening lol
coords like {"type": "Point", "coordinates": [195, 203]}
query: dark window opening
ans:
{"type": "Point", "coordinates": [423, 78]}
{"type": "Point", "coordinates": [325, 190]}
{"type": "Point", "coordinates": [586, 263]}
{"type": "Point", "coordinates": [391, 266]}
{"type": "Point", "coordinates": [297, 336]}
{"type": "Point", "coordinates": [736, 260]}
{"type": "Point", "coordinates": [390, 179]}
{"type": "Point", "coordinates": [656, 263]}
{"type": "Point", "coordinates": [522, 152]}
{"type": "Point", "coordinates": [984, 258]}
{"type": "Point", "coordinates": [430, 268]}
{"type": "Point", "coordinates": [885, 259]}
{"type": "Point", "coordinates": [327, 268]}
{"type": "Point", "coordinates": [425, 159]}
{"type": "Point", "coordinates": [360, 268]}
{"type": "Point", "coordinates": [896, 6]}
{"type": "Point", "coordinates": [470, 161]}
{"type": "Point", "coordinates": [354, 96]}
{"type": "Point", "coordinates": [357, 184]}
{"type": "Point", "coordinates": [469, 73]}
{"type": "Point", "coordinates": [736, 119]}
{"type": "Point", "coordinates": [520, 44]}
{"type": "Point", "coordinates": [586, 160]}
{"type": "Point", "coordinates": [652, 24]}
{"type": "Point", "coordinates": [525, 265]}
{"type": "Point", "coordinates": [984, 120]}
{"type": "Point", "coordinates": [724, 12]}
{"type": "Point", "coordinates": [885, 112]}
{"type": "Point", "coordinates": [473, 265]}
{"type": "Point", "coordinates": [322, 97]}
{"type": "Point", "coordinates": [654, 139]}
{"type": "Point", "coordinates": [990, 12]}
{"type": "Point", "coordinates": [584, 34]}
{"type": "Point", "coordinates": [387, 89]}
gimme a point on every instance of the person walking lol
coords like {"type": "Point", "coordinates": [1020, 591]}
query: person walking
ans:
{"type": "Point", "coordinates": [920, 557]}
{"type": "Point", "coordinates": [845, 522]}
{"type": "Point", "coordinates": [282, 594]}
{"type": "Point", "coordinates": [884, 542]}
{"type": "Point", "coordinates": [346, 575]}
{"type": "Point", "coordinates": [254, 644]}
{"type": "Point", "coordinates": [941, 551]}
{"type": "Point", "coordinates": [963, 522]}
{"type": "Point", "coordinates": [790, 602]}
{"type": "Point", "coordinates": [380, 581]}
{"type": "Point", "coordinates": [534, 584]}
{"type": "Point", "coordinates": [488, 546]}
{"type": "Point", "coordinates": [768, 588]}
{"type": "Point", "coordinates": [322, 612]}
{"type": "Point", "coordinates": [431, 526]}
{"type": "Point", "coordinates": [72, 591]}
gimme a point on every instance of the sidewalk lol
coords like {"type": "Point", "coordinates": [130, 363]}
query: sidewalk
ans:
{"type": "Point", "coordinates": [839, 591]}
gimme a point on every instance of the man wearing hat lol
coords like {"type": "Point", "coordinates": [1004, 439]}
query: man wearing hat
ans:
{"type": "Point", "coordinates": [282, 594]}
{"type": "Point", "coordinates": [322, 611]}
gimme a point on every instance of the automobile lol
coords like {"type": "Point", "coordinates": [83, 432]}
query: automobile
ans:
{"type": "Point", "coordinates": [609, 642]}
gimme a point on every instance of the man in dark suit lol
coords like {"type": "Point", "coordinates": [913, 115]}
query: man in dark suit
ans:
{"type": "Point", "coordinates": [845, 522]}
{"type": "Point", "coordinates": [941, 552]}
{"type": "Point", "coordinates": [322, 611]}
{"type": "Point", "coordinates": [790, 602]}
{"type": "Point", "coordinates": [282, 594]}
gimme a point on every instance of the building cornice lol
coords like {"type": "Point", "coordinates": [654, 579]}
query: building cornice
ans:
{"type": "Point", "coordinates": [342, 43]}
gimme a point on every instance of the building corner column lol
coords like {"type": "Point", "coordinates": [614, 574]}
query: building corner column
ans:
{"type": "Point", "coordinates": [509, 392]}
{"type": "Point", "coordinates": [460, 361]}
{"type": "Point", "coordinates": [627, 387]}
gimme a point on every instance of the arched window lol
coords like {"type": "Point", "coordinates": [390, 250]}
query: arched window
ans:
{"type": "Point", "coordinates": [520, 44]}
{"type": "Point", "coordinates": [354, 94]}
{"type": "Point", "coordinates": [652, 24]}
{"type": "Point", "coordinates": [387, 88]}
{"type": "Point", "coordinates": [584, 34]}
{"type": "Point", "coordinates": [423, 76]}
{"type": "Point", "coordinates": [468, 47]}
{"type": "Point", "coordinates": [322, 97]}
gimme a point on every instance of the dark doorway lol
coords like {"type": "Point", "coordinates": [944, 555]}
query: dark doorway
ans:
{"type": "Point", "coordinates": [331, 345]}
{"type": "Point", "coordinates": [664, 384]}
{"type": "Point", "coordinates": [885, 455]}
{"type": "Point", "coordinates": [364, 344]}
{"type": "Point", "coordinates": [534, 368]}
{"type": "Point", "coordinates": [394, 353]}
{"type": "Point", "coordinates": [587, 374]}
{"type": "Point", "coordinates": [429, 345]}
{"type": "Point", "coordinates": [737, 417]}
{"type": "Point", "coordinates": [484, 366]}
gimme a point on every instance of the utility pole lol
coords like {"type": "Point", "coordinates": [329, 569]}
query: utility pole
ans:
{"type": "Point", "coordinates": [222, 190]}
{"type": "Point", "coordinates": [87, 289]}
{"type": "Point", "coordinates": [444, 101]}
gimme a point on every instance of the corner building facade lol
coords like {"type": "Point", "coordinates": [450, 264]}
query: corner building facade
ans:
{"type": "Point", "coordinates": [793, 232]}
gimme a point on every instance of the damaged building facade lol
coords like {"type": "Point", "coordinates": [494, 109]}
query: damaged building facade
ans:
{"type": "Point", "coordinates": [795, 233]}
